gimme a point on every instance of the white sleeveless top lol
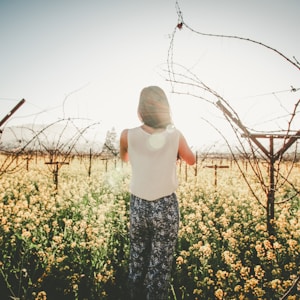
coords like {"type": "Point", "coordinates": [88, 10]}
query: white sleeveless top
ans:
{"type": "Point", "coordinates": [153, 160]}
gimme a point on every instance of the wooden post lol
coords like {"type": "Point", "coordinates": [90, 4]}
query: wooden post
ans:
{"type": "Point", "coordinates": [216, 172]}
{"type": "Point", "coordinates": [196, 164]}
{"type": "Point", "coordinates": [90, 163]}
{"type": "Point", "coordinates": [57, 166]}
{"type": "Point", "coordinates": [271, 157]}
{"type": "Point", "coordinates": [271, 191]}
{"type": "Point", "coordinates": [27, 158]}
{"type": "Point", "coordinates": [11, 112]}
{"type": "Point", "coordinates": [106, 165]}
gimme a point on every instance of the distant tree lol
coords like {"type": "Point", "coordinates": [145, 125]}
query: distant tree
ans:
{"type": "Point", "coordinates": [110, 145]}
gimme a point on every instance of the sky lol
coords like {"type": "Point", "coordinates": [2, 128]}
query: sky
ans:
{"type": "Point", "coordinates": [89, 60]}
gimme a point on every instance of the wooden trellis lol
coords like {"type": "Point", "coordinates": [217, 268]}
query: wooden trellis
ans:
{"type": "Point", "coordinates": [271, 156]}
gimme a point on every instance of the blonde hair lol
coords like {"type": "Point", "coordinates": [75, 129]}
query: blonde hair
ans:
{"type": "Point", "coordinates": [154, 107]}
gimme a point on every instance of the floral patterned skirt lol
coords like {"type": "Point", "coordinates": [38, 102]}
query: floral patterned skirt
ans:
{"type": "Point", "coordinates": [153, 234]}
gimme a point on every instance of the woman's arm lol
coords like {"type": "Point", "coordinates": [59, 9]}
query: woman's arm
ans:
{"type": "Point", "coordinates": [124, 146]}
{"type": "Point", "coordinates": [185, 152]}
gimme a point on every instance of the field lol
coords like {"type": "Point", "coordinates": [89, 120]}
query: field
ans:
{"type": "Point", "coordinates": [71, 242]}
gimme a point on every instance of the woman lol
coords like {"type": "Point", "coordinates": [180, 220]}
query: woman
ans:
{"type": "Point", "coordinates": [153, 149]}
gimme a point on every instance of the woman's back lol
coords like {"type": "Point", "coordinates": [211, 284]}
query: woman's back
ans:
{"type": "Point", "coordinates": [153, 160]}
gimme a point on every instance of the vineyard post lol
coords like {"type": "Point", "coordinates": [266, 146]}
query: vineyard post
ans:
{"type": "Point", "coordinates": [272, 158]}
{"type": "Point", "coordinates": [271, 191]}
{"type": "Point", "coordinates": [27, 158]}
{"type": "Point", "coordinates": [57, 166]}
{"type": "Point", "coordinates": [106, 164]}
{"type": "Point", "coordinates": [90, 163]}
{"type": "Point", "coordinates": [180, 163]}
{"type": "Point", "coordinates": [216, 167]}
{"type": "Point", "coordinates": [196, 164]}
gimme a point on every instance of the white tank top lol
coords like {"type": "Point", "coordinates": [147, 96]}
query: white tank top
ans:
{"type": "Point", "coordinates": [153, 160]}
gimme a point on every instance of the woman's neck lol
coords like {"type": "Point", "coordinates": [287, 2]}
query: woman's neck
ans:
{"type": "Point", "coordinates": [150, 129]}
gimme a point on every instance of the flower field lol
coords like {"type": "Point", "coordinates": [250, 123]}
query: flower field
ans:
{"type": "Point", "coordinates": [72, 243]}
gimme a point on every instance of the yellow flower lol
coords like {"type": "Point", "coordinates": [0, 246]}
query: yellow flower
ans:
{"type": "Point", "coordinates": [290, 266]}
{"type": "Point", "coordinates": [46, 228]}
{"type": "Point", "coordinates": [41, 296]}
{"type": "Point", "coordinates": [68, 222]}
{"type": "Point", "coordinates": [179, 260]}
{"type": "Point", "coordinates": [251, 284]}
{"type": "Point", "coordinates": [292, 243]}
{"type": "Point", "coordinates": [222, 274]}
{"type": "Point", "coordinates": [276, 245]}
{"type": "Point", "coordinates": [244, 272]}
{"type": "Point", "coordinates": [267, 244]}
{"type": "Point", "coordinates": [60, 259]}
{"type": "Point", "coordinates": [3, 220]}
{"type": "Point", "coordinates": [275, 284]}
{"type": "Point", "coordinates": [73, 245]}
{"type": "Point", "coordinates": [271, 255]}
{"type": "Point", "coordinates": [197, 292]}
{"type": "Point", "coordinates": [26, 234]}
{"type": "Point", "coordinates": [219, 294]}
{"type": "Point", "coordinates": [259, 272]}
{"type": "Point", "coordinates": [259, 249]}
{"type": "Point", "coordinates": [229, 257]}
{"type": "Point", "coordinates": [237, 288]}
{"type": "Point", "coordinates": [57, 239]}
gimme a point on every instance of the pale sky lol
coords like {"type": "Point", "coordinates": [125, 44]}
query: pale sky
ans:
{"type": "Point", "coordinates": [90, 59]}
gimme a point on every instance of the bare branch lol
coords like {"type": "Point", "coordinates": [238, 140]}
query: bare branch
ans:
{"type": "Point", "coordinates": [183, 23]}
